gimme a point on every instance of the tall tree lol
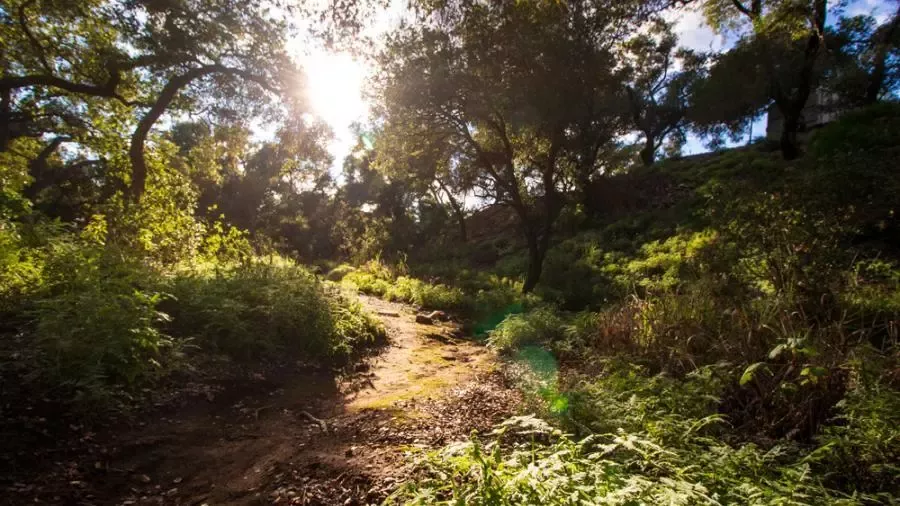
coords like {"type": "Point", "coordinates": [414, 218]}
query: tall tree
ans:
{"type": "Point", "coordinates": [659, 83]}
{"type": "Point", "coordinates": [136, 60]}
{"type": "Point", "coordinates": [498, 83]}
{"type": "Point", "coordinates": [864, 59]}
{"type": "Point", "coordinates": [794, 32]}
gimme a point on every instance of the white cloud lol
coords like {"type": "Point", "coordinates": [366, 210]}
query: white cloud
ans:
{"type": "Point", "coordinates": [692, 31]}
{"type": "Point", "coordinates": [878, 8]}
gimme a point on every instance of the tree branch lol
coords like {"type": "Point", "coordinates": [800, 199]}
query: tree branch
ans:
{"type": "Point", "coordinates": [743, 8]}
{"type": "Point", "coordinates": [107, 89]}
{"type": "Point", "coordinates": [165, 98]}
{"type": "Point", "coordinates": [883, 41]}
{"type": "Point", "coordinates": [31, 38]}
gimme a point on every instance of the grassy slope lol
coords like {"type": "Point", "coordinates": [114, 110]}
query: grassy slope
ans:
{"type": "Point", "coordinates": [735, 340]}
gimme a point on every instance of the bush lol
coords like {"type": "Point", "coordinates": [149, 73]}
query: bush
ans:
{"type": "Point", "coordinates": [483, 300]}
{"type": "Point", "coordinates": [92, 321]}
{"type": "Point", "coordinates": [20, 270]}
{"type": "Point", "coordinates": [367, 283]}
{"type": "Point", "coordinates": [442, 297]}
{"type": "Point", "coordinates": [339, 272]}
{"type": "Point", "coordinates": [355, 330]}
{"type": "Point", "coordinates": [267, 309]}
{"type": "Point", "coordinates": [864, 440]}
{"type": "Point", "coordinates": [98, 322]}
{"type": "Point", "coordinates": [539, 326]}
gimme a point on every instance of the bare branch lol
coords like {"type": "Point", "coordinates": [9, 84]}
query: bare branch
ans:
{"type": "Point", "coordinates": [743, 8]}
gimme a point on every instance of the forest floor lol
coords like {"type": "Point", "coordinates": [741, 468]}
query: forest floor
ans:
{"type": "Point", "coordinates": [291, 437]}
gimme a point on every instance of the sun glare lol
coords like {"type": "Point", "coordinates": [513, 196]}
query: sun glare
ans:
{"type": "Point", "coordinates": [334, 88]}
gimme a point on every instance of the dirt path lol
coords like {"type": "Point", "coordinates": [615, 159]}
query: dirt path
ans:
{"type": "Point", "coordinates": [307, 438]}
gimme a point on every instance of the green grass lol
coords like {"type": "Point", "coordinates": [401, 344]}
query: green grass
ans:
{"type": "Point", "coordinates": [482, 301]}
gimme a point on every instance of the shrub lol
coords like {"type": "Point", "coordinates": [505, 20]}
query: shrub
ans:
{"type": "Point", "coordinates": [256, 309]}
{"type": "Point", "coordinates": [355, 330]}
{"type": "Point", "coordinates": [442, 297]}
{"type": "Point", "coordinates": [539, 326]}
{"type": "Point", "coordinates": [649, 440]}
{"type": "Point", "coordinates": [96, 322]}
{"type": "Point", "coordinates": [482, 299]}
{"type": "Point", "coordinates": [864, 440]}
{"type": "Point", "coordinates": [367, 283]}
{"type": "Point", "coordinates": [20, 270]}
{"type": "Point", "coordinates": [339, 272]}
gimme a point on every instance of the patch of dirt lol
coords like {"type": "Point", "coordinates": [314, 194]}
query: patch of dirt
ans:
{"type": "Point", "coordinates": [296, 438]}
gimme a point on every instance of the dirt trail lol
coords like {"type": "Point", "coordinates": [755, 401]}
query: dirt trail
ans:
{"type": "Point", "coordinates": [308, 438]}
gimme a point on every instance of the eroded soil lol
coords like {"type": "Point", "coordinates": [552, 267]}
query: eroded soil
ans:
{"type": "Point", "coordinates": [300, 438]}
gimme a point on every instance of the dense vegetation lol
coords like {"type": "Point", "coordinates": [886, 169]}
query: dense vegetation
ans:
{"type": "Point", "coordinates": [719, 328]}
{"type": "Point", "coordinates": [118, 269]}
{"type": "Point", "coordinates": [738, 345]}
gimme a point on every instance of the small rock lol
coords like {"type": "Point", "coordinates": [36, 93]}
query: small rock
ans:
{"type": "Point", "coordinates": [424, 319]}
{"type": "Point", "coordinates": [438, 315]}
{"type": "Point", "coordinates": [144, 478]}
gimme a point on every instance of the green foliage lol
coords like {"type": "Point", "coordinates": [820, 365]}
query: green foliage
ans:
{"type": "Point", "coordinates": [539, 326]}
{"type": "Point", "coordinates": [743, 342]}
{"type": "Point", "coordinates": [339, 272]}
{"type": "Point", "coordinates": [254, 309]}
{"type": "Point", "coordinates": [484, 300]}
{"type": "Point", "coordinates": [20, 269]}
{"type": "Point", "coordinates": [650, 439]}
{"type": "Point", "coordinates": [97, 322]}
{"type": "Point", "coordinates": [864, 441]}
{"type": "Point", "coordinates": [354, 331]}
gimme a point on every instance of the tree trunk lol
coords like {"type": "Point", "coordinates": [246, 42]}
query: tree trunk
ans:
{"type": "Point", "coordinates": [5, 119]}
{"type": "Point", "coordinates": [461, 220]}
{"type": "Point", "coordinates": [648, 153]}
{"type": "Point", "coordinates": [587, 196]}
{"type": "Point", "coordinates": [142, 131]}
{"type": "Point", "coordinates": [458, 214]}
{"type": "Point", "coordinates": [535, 262]}
{"type": "Point", "coordinates": [790, 146]}
{"type": "Point", "coordinates": [166, 96]}
{"type": "Point", "coordinates": [538, 236]}
{"type": "Point", "coordinates": [40, 170]}
{"type": "Point", "coordinates": [794, 102]}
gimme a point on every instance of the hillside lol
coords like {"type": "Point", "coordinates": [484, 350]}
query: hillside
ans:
{"type": "Point", "coordinates": [728, 334]}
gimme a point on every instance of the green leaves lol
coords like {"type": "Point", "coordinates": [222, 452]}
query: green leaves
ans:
{"type": "Point", "coordinates": [750, 371]}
